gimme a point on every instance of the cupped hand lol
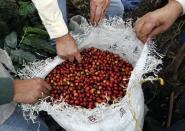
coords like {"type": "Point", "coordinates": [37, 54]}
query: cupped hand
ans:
{"type": "Point", "coordinates": [156, 22]}
{"type": "Point", "coordinates": [67, 48]}
{"type": "Point", "coordinates": [29, 91]}
{"type": "Point", "coordinates": [98, 10]}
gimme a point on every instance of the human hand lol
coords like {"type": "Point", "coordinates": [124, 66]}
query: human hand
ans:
{"type": "Point", "coordinates": [67, 48]}
{"type": "Point", "coordinates": [29, 91]}
{"type": "Point", "coordinates": [98, 10]}
{"type": "Point", "coordinates": [157, 21]}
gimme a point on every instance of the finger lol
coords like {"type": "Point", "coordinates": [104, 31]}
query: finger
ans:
{"type": "Point", "coordinates": [92, 11]}
{"type": "Point", "coordinates": [137, 22]}
{"type": "Point", "coordinates": [156, 31]}
{"type": "Point", "coordinates": [138, 27]}
{"type": "Point", "coordinates": [45, 91]}
{"type": "Point", "coordinates": [71, 58]}
{"type": "Point", "coordinates": [78, 56]}
{"type": "Point", "coordinates": [105, 3]}
{"type": "Point", "coordinates": [98, 14]}
{"type": "Point", "coordinates": [144, 39]}
{"type": "Point", "coordinates": [146, 29]}
{"type": "Point", "coordinates": [63, 57]}
{"type": "Point", "coordinates": [47, 86]}
{"type": "Point", "coordinates": [43, 95]}
{"type": "Point", "coordinates": [105, 8]}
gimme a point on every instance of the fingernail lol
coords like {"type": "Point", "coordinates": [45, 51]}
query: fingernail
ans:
{"type": "Point", "coordinates": [148, 39]}
{"type": "Point", "coordinates": [50, 88]}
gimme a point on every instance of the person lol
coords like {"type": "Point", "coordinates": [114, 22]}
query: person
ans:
{"type": "Point", "coordinates": [18, 91]}
{"type": "Point", "coordinates": [29, 91]}
{"type": "Point", "coordinates": [116, 7]}
{"type": "Point", "coordinates": [158, 21]}
{"type": "Point", "coordinates": [149, 26]}
{"type": "Point", "coordinates": [56, 24]}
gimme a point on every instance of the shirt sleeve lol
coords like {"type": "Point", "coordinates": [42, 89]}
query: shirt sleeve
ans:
{"type": "Point", "coordinates": [182, 2]}
{"type": "Point", "coordinates": [6, 90]}
{"type": "Point", "coordinates": [51, 17]}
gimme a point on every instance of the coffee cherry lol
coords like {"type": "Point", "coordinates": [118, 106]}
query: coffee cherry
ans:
{"type": "Point", "coordinates": [101, 77]}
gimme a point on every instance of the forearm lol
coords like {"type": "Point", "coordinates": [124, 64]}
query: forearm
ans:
{"type": "Point", "coordinates": [6, 90]}
{"type": "Point", "coordinates": [51, 17]}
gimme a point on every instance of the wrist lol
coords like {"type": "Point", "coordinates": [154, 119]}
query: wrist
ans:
{"type": "Point", "coordinates": [15, 91]}
{"type": "Point", "coordinates": [62, 38]}
{"type": "Point", "coordinates": [182, 4]}
{"type": "Point", "coordinates": [176, 6]}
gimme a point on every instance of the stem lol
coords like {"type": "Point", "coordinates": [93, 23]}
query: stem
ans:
{"type": "Point", "coordinates": [170, 110]}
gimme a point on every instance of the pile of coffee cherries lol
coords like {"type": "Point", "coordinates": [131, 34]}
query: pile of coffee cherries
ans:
{"type": "Point", "coordinates": [101, 77]}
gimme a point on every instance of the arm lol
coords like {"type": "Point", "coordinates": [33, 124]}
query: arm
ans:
{"type": "Point", "coordinates": [22, 91]}
{"type": "Point", "coordinates": [52, 18]}
{"type": "Point", "coordinates": [6, 90]}
{"type": "Point", "coordinates": [158, 21]}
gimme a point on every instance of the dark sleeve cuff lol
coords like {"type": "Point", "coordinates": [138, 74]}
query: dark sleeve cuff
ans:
{"type": "Point", "coordinates": [6, 90]}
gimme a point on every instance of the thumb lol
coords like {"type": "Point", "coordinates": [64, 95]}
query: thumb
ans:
{"type": "Point", "coordinates": [71, 58]}
{"type": "Point", "coordinates": [78, 56]}
{"type": "Point", "coordinates": [92, 11]}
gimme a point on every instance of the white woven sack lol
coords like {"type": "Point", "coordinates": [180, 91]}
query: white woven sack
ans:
{"type": "Point", "coordinates": [116, 36]}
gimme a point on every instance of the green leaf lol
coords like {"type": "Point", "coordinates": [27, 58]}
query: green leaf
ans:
{"type": "Point", "coordinates": [26, 8]}
{"type": "Point", "coordinates": [11, 40]}
{"type": "Point", "coordinates": [38, 43]}
{"type": "Point", "coordinates": [20, 56]}
{"type": "Point", "coordinates": [35, 30]}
